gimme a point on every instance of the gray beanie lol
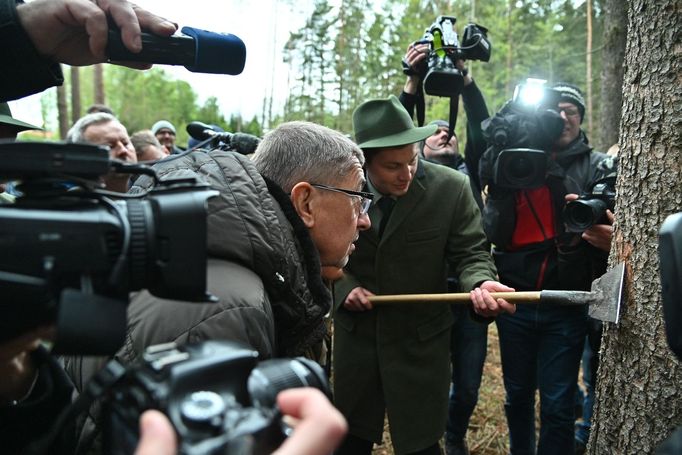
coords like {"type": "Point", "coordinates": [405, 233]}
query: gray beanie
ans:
{"type": "Point", "coordinates": [571, 94]}
{"type": "Point", "coordinates": [162, 124]}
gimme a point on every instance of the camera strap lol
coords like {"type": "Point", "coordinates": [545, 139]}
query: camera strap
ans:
{"type": "Point", "coordinates": [420, 105]}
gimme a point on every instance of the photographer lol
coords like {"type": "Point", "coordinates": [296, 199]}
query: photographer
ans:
{"type": "Point", "coordinates": [541, 345]}
{"type": "Point", "coordinates": [469, 337]}
{"type": "Point", "coordinates": [36, 36]}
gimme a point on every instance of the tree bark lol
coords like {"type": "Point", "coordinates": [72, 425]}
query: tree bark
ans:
{"type": "Point", "coordinates": [638, 401]}
{"type": "Point", "coordinates": [588, 68]}
{"type": "Point", "coordinates": [98, 79]}
{"type": "Point", "coordinates": [613, 52]}
{"type": "Point", "coordinates": [75, 94]}
{"type": "Point", "coordinates": [62, 111]}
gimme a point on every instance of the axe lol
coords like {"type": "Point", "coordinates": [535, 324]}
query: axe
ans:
{"type": "Point", "coordinates": [604, 298]}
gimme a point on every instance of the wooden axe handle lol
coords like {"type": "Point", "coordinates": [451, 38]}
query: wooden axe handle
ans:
{"type": "Point", "coordinates": [460, 297]}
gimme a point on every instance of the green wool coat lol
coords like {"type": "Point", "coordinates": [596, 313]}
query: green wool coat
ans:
{"type": "Point", "coordinates": [395, 358]}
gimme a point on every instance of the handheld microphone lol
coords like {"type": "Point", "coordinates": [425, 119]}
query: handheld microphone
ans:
{"type": "Point", "coordinates": [199, 51]}
{"type": "Point", "coordinates": [239, 142]}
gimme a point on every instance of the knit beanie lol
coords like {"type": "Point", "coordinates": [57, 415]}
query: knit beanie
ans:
{"type": "Point", "coordinates": [162, 124]}
{"type": "Point", "coordinates": [571, 94]}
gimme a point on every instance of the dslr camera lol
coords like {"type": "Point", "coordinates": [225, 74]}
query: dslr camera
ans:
{"type": "Point", "coordinates": [217, 395]}
{"type": "Point", "coordinates": [521, 133]}
{"type": "Point", "coordinates": [440, 75]}
{"type": "Point", "coordinates": [71, 251]}
{"type": "Point", "coordinates": [590, 208]}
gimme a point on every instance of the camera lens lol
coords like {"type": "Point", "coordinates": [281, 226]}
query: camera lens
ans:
{"type": "Point", "coordinates": [272, 376]}
{"type": "Point", "coordinates": [582, 214]}
{"type": "Point", "coordinates": [520, 169]}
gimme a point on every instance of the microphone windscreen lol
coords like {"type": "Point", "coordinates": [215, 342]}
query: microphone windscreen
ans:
{"type": "Point", "coordinates": [244, 143]}
{"type": "Point", "coordinates": [199, 130]}
{"type": "Point", "coordinates": [216, 53]}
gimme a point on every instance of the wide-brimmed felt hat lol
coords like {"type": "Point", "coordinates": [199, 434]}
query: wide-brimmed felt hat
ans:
{"type": "Point", "coordinates": [385, 123]}
{"type": "Point", "coordinates": [7, 119]}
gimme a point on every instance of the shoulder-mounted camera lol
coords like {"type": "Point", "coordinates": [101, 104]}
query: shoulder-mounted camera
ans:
{"type": "Point", "coordinates": [71, 251]}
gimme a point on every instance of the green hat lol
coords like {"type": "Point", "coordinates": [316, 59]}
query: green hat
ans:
{"type": "Point", "coordinates": [386, 123]}
{"type": "Point", "coordinates": [7, 119]}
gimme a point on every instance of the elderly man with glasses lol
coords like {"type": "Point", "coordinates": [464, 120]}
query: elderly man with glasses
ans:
{"type": "Point", "coordinates": [293, 208]}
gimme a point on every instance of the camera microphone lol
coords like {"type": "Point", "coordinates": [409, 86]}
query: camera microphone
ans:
{"type": "Point", "coordinates": [200, 131]}
{"type": "Point", "coordinates": [239, 142]}
{"type": "Point", "coordinates": [199, 51]}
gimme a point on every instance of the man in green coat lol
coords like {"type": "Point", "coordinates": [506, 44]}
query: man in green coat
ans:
{"type": "Point", "coordinates": [394, 358]}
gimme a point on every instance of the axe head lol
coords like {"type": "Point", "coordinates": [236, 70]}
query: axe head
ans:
{"type": "Point", "coordinates": [606, 295]}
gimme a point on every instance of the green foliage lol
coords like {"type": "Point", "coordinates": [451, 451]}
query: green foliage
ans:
{"type": "Point", "coordinates": [530, 38]}
{"type": "Point", "coordinates": [140, 98]}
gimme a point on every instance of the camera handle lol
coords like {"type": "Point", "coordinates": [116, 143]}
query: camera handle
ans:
{"type": "Point", "coordinates": [420, 105]}
{"type": "Point", "coordinates": [112, 372]}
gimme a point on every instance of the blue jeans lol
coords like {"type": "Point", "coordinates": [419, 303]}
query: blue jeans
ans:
{"type": "Point", "coordinates": [541, 348]}
{"type": "Point", "coordinates": [468, 344]}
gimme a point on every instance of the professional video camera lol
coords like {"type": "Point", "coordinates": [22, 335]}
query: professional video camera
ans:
{"type": "Point", "coordinates": [440, 75]}
{"type": "Point", "coordinates": [71, 253]}
{"type": "Point", "coordinates": [590, 208]}
{"type": "Point", "coordinates": [219, 398]}
{"type": "Point", "coordinates": [521, 133]}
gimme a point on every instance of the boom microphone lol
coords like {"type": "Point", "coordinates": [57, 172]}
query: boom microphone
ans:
{"type": "Point", "coordinates": [199, 51]}
{"type": "Point", "coordinates": [239, 142]}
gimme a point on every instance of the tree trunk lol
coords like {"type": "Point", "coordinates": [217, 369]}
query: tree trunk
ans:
{"type": "Point", "coordinates": [75, 94]}
{"type": "Point", "coordinates": [510, 51]}
{"type": "Point", "coordinates": [638, 401]}
{"type": "Point", "coordinates": [588, 68]}
{"type": "Point", "coordinates": [62, 111]}
{"type": "Point", "coordinates": [98, 79]}
{"type": "Point", "coordinates": [612, 55]}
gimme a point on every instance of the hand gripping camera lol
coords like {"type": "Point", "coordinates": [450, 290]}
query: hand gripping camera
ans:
{"type": "Point", "coordinates": [441, 77]}
{"type": "Point", "coordinates": [590, 208]}
{"type": "Point", "coordinates": [217, 395]}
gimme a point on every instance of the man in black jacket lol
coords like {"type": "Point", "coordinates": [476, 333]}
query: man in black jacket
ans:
{"type": "Point", "coordinates": [541, 345]}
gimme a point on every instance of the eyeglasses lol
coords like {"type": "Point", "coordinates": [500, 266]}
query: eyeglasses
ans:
{"type": "Point", "coordinates": [364, 198]}
{"type": "Point", "coordinates": [569, 111]}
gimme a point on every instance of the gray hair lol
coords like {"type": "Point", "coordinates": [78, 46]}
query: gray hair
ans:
{"type": "Point", "coordinates": [306, 152]}
{"type": "Point", "coordinates": [77, 131]}
{"type": "Point", "coordinates": [143, 139]}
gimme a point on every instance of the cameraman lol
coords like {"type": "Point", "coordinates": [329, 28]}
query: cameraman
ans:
{"type": "Point", "coordinates": [36, 37]}
{"type": "Point", "coordinates": [541, 345]}
{"type": "Point", "coordinates": [469, 337]}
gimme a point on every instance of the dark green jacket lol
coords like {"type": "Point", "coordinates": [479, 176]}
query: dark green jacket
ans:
{"type": "Point", "coordinates": [397, 356]}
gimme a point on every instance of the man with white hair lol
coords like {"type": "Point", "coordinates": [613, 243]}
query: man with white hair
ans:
{"type": "Point", "coordinates": [101, 128]}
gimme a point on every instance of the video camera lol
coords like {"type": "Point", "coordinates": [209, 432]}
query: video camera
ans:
{"type": "Point", "coordinates": [218, 397]}
{"type": "Point", "coordinates": [521, 133]}
{"type": "Point", "coordinates": [71, 253]}
{"type": "Point", "coordinates": [440, 74]}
